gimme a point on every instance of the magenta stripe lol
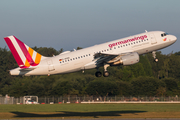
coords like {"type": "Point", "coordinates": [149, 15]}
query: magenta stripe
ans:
{"type": "Point", "coordinates": [14, 52]}
{"type": "Point", "coordinates": [25, 51]}
{"type": "Point", "coordinates": [34, 64]}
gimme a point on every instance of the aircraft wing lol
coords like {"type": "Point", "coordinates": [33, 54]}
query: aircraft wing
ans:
{"type": "Point", "coordinates": [110, 58]}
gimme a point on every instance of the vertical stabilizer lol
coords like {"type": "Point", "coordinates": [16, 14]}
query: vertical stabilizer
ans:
{"type": "Point", "coordinates": [23, 54]}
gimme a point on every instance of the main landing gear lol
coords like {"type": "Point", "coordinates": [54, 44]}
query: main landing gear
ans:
{"type": "Point", "coordinates": [105, 73]}
{"type": "Point", "coordinates": [98, 74]}
{"type": "Point", "coordinates": [154, 56]}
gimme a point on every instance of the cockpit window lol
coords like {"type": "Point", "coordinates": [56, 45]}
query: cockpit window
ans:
{"type": "Point", "coordinates": [164, 34]}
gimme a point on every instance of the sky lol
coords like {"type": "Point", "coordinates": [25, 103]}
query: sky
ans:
{"type": "Point", "coordinates": [69, 24]}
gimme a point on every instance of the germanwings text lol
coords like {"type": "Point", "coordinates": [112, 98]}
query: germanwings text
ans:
{"type": "Point", "coordinates": [128, 40]}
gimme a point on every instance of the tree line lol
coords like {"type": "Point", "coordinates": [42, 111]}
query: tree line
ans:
{"type": "Point", "coordinates": [146, 78]}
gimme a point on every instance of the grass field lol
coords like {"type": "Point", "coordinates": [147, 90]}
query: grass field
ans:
{"type": "Point", "coordinates": [90, 111]}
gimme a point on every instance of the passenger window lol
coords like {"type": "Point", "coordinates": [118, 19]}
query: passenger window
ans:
{"type": "Point", "coordinates": [89, 54]}
{"type": "Point", "coordinates": [114, 47]}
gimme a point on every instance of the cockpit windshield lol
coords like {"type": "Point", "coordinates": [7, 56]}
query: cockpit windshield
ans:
{"type": "Point", "coordinates": [164, 34]}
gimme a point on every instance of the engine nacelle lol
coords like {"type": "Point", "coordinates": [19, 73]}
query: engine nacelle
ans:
{"type": "Point", "coordinates": [131, 58]}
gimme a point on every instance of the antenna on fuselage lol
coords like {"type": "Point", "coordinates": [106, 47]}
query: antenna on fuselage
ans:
{"type": "Point", "coordinates": [145, 30]}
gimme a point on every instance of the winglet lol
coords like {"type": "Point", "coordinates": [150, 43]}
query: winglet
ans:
{"type": "Point", "coordinates": [23, 54]}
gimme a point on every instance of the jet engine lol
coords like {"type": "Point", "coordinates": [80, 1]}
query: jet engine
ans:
{"type": "Point", "coordinates": [129, 59]}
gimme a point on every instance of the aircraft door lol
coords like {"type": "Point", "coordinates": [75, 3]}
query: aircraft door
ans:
{"type": "Point", "coordinates": [153, 39]}
{"type": "Point", "coordinates": [50, 65]}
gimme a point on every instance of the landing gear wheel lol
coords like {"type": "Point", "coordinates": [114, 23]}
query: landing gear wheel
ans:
{"type": "Point", "coordinates": [105, 73]}
{"type": "Point", "coordinates": [156, 60]}
{"type": "Point", "coordinates": [98, 74]}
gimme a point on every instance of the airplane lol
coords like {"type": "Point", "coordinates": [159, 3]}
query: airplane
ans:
{"type": "Point", "coordinates": [123, 51]}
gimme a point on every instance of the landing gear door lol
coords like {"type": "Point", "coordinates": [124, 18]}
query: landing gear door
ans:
{"type": "Point", "coordinates": [153, 39]}
{"type": "Point", "coordinates": [50, 65]}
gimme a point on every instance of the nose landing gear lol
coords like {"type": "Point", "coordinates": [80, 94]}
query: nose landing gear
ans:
{"type": "Point", "coordinates": [154, 56]}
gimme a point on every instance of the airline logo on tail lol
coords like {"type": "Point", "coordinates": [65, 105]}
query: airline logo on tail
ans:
{"type": "Point", "coordinates": [23, 54]}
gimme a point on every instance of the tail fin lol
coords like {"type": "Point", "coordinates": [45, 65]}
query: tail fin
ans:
{"type": "Point", "coordinates": [23, 54]}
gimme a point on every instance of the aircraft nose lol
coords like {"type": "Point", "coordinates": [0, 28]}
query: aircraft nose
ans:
{"type": "Point", "coordinates": [174, 38]}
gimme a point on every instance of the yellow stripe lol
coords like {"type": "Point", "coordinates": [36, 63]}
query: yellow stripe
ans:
{"type": "Point", "coordinates": [27, 63]}
{"type": "Point", "coordinates": [38, 58]}
{"type": "Point", "coordinates": [30, 51]}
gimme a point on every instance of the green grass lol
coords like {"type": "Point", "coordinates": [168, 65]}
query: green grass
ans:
{"type": "Point", "coordinates": [91, 107]}
{"type": "Point", "coordinates": [90, 111]}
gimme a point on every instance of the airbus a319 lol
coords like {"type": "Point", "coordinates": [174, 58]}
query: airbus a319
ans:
{"type": "Point", "coordinates": [123, 51]}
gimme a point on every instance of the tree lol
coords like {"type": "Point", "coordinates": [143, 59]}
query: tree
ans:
{"type": "Point", "coordinates": [124, 88]}
{"type": "Point", "coordinates": [146, 86]}
{"type": "Point", "coordinates": [146, 65]}
{"type": "Point", "coordinates": [78, 48]}
{"type": "Point", "coordinates": [171, 83]}
{"type": "Point", "coordinates": [60, 51]}
{"type": "Point", "coordinates": [62, 88]}
{"type": "Point", "coordinates": [137, 70]}
{"type": "Point", "coordinates": [48, 52]}
{"type": "Point", "coordinates": [102, 88]}
{"type": "Point", "coordinates": [174, 66]}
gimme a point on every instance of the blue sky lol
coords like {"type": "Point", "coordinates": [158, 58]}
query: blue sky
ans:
{"type": "Point", "coordinates": [69, 24]}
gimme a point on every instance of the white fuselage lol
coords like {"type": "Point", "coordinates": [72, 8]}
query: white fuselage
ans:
{"type": "Point", "coordinates": [84, 58]}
